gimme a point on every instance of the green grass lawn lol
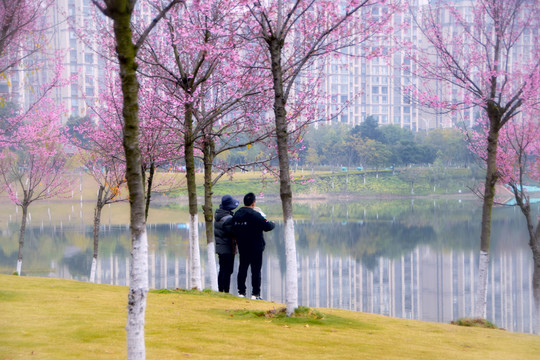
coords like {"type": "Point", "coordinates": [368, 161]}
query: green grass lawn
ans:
{"type": "Point", "coordinates": [43, 318]}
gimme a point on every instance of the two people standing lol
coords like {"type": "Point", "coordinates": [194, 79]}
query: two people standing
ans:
{"type": "Point", "coordinates": [246, 227]}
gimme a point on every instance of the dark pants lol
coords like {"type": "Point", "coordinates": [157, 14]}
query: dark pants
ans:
{"type": "Point", "coordinates": [226, 265]}
{"type": "Point", "coordinates": [247, 259]}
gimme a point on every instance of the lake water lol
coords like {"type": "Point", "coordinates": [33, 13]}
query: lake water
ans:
{"type": "Point", "coordinates": [414, 259]}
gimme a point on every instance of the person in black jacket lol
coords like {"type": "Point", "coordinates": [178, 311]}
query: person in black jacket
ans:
{"type": "Point", "coordinates": [225, 244]}
{"type": "Point", "coordinates": [248, 227]}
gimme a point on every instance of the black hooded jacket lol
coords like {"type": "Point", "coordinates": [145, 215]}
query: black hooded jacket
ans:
{"type": "Point", "coordinates": [248, 227]}
{"type": "Point", "coordinates": [223, 232]}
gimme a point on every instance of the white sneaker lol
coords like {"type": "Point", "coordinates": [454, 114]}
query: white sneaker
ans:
{"type": "Point", "coordinates": [241, 295]}
{"type": "Point", "coordinates": [253, 297]}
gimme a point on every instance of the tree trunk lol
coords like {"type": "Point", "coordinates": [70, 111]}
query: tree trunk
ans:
{"type": "Point", "coordinates": [21, 235]}
{"type": "Point", "coordinates": [208, 152]}
{"type": "Point", "coordinates": [489, 195]}
{"type": "Point", "coordinates": [194, 252]}
{"type": "Point", "coordinates": [536, 293]}
{"type": "Point", "coordinates": [534, 243]}
{"type": "Point", "coordinates": [150, 181]}
{"type": "Point", "coordinates": [138, 278]}
{"type": "Point", "coordinates": [285, 192]}
{"type": "Point", "coordinates": [535, 247]}
{"type": "Point", "coordinates": [97, 221]}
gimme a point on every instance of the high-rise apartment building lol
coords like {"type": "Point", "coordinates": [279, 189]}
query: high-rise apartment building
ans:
{"type": "Point", "coordinates": [360, 88]}
{"type": "Point", "coordinates": [357, 88]}
{"type": "Point", "coordinates": [78, 59]}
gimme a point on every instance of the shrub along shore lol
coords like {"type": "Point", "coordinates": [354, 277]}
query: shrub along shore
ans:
{"type": "Point", "coordinates": [43, 318]}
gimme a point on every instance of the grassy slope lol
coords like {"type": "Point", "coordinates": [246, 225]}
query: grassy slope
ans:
{"type": "Point", "coordinates": [44, 318]}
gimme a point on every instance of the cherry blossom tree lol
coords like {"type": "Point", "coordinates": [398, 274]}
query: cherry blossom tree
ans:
{"type": "Point", "coordinates": [104, 161]}
{"type": "Point", "coordinates": [218, 137]}
{"type": "Point", "coordinates": [484, 55]}
{"type": "Point", "coordinates": [205, 82]}
{"type": "Point", "coordinates": [33, 161]}
{"type": "Point", "coordinates": [23, 50]}
{"type": "Point", "coordinates": [120, 12]}
{"type": "Point", "coordinates": [518, 162]}
{"type": "Point", "coordinates": [157, 143]}
{"type": "Point", "coordinates": [109, 174]}
{"type": "Point", "coordinates": [294, 34]}
{"type": "Point", "coordinates": [21, 30]}
{"type": "Point", "coordinates": [37, 173]}
{"type": "Point", "coordinates": [102, 155]}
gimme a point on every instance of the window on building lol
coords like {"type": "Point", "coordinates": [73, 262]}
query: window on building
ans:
{"type": "Point", "coordinates": [406, 99]}
{"type": "Point", "coordinates": [73, 56]}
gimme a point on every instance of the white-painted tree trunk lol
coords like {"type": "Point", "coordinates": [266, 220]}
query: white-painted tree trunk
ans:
{"type": "Point", "coordinates": [137, 297]}
{"type": "Point", "coordinates": [93, 270]}
{"type": "Point", "coordinates": [212, 266]}
{"type": "Point", "coordinates": [194, 252]}
{"type": "Point", "coordinates": [291, 278]}
{"type": "Point", "coordinates": [537, 316]}
{"type": "Point", "coordinates": [19, 266]}
{"type": "Point", "coordinates": [481, 294]}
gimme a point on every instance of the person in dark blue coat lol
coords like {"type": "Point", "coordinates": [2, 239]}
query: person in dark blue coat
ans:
{"type": "Point", "coordinates": [225, 244]}
{"type": "Point", "coordinates": [248, 228]}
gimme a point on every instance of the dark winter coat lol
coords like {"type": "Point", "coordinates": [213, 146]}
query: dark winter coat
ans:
{"type": "Point", "coordinates": [248, 227]}
{"type": "Point", "coordinates": [223, 232]}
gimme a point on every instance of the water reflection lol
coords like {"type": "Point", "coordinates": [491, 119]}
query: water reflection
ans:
{"type": "Point", "coordinates": [415, 260]}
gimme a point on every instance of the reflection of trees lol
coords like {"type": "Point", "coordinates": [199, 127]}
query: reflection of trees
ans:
{"type": "Point", "coordinates": [275, 244]}
{"type": "Point", "coordinates": [72, 246]}
{"type": "Point", "coordinates": [367, 240]}
{"type": "Point", "coordinates": [390, 228]}
{"type": "Point", "coordinates": [78, 263]}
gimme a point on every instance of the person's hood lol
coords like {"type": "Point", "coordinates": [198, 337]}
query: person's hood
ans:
{"type": "Point", "coordinates": [220, 214]}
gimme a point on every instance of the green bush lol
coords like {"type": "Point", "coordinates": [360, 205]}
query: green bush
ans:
{"type": "Point", "coordinates": [474, 322]}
